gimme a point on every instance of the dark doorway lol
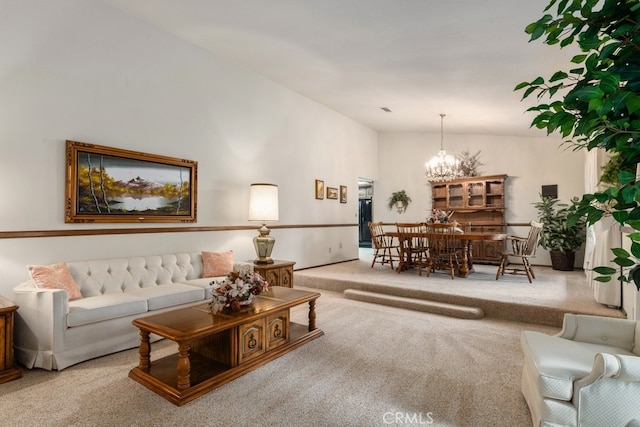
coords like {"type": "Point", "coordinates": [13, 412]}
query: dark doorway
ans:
{"type": "Point", "coordinates": [366, 215]}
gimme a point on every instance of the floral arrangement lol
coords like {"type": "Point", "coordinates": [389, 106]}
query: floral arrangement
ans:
{"type": "Point", "coordinates": [439, 217]}
{"type": "Point", "coordinates": [236, 290]}
{"type": "Point", "coordinates": [469, 164]}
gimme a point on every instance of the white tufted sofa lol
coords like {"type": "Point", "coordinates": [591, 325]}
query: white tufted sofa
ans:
{"type": "Point", "coordinates": [52, 332]}
{"type": "Point", "coordinates": [587, 375]}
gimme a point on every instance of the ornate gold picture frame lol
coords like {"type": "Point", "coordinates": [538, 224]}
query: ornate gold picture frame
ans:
{"type": "Point", "coordinates": [105, 184]}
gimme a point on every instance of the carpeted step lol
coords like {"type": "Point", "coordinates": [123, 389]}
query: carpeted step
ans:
{"type": "Point", "coordinates": [434, 307]}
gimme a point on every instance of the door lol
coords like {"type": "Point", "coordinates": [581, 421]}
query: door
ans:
{"type": "Point", "coordinates": [365, 216]}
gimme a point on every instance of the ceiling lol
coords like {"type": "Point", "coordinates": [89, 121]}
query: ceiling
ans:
{"type": "Point", "coordinates": [418, 58]}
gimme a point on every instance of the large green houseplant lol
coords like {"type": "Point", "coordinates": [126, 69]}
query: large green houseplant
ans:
{"type": "Point", "coordinates": [595, 103]}
{"type": "Point", "coordinates": [560, 238]}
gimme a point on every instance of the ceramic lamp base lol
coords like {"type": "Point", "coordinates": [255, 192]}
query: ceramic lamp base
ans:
{"type": "Point", "coordinates": [263, 244]}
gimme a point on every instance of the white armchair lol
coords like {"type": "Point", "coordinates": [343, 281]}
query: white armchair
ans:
{"type": "Point", "coordinates": [587, 375]}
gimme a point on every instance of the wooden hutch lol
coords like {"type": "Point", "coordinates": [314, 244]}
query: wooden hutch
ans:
{"type": "Point", "coordinates": [478, 204]}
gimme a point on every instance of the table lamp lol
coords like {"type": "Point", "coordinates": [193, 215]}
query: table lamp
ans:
{"type": "Point", "coordinates": [263, 207]}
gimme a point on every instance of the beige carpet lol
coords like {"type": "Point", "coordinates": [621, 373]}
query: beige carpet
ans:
{"type": "Point", "coordinates": [544, 301]}
{"type": "Point", "coordinates": [374, 362]}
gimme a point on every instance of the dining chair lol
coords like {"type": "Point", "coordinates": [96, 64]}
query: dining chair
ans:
{"type": "Point", "coordinates": [384, 248]}
{"type": "Point", "coordinates": [444, 250]}
{"type": "Point", "coordinates": [414, 249]}
{"type": "Point", "coordinates": [523, 248]}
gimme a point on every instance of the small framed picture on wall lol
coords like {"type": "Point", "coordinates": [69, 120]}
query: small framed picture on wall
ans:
{"type": "Point", "coordinates": [319, 189]}
{"type": "Point", "coordinates": [343, 194]}
{"type": "Point", "coordinates": [332, 193]}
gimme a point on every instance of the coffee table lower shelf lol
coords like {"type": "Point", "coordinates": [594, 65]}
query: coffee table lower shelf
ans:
{"type": "Point", "coordinates": [206, 373]}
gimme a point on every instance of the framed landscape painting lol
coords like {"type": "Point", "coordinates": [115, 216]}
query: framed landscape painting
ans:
{"type": "Point", "coordinates": [105, 184]}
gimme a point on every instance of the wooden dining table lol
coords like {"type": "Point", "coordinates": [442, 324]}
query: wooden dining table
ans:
{"type": "Point", "coordinates": [466, 243]}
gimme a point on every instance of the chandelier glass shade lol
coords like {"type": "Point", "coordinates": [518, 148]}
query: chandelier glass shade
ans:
{"type": "Point", "coordinates": [443, 166]}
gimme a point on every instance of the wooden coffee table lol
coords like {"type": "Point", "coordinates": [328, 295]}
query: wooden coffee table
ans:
{"type": "Point", "coordinates": [216, 349]}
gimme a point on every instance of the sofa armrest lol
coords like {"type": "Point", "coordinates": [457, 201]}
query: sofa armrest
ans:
{"type": "Point", "coordinates": [609, 394]}
{"type": "Point", "coordinates": [599, 330]}
{"type": "Point", "coordinates": [40, 320]}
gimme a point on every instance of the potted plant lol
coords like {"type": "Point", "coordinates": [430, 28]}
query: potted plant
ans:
{"type": "Point", "coordinates": [561, 239]}
{"type": "Point", "coordinates": [399, 200]}
{"type": "Point", "coordinates": [594, 104]}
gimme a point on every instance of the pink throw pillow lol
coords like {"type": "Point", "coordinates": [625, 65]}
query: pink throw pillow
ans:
{"type": "Point", "coordinates": [56, 276]}
{"type": "Point", "coordinates": [217, 264]}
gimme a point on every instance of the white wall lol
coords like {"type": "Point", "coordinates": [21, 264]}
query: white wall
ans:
{"type": "Point", "coordinates": [530, 163]}
{"type": "Point", "coordinates": [85, 71]}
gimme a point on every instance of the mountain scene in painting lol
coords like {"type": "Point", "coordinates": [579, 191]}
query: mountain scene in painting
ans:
{"type": "Point", "coordinates": [115, 185]}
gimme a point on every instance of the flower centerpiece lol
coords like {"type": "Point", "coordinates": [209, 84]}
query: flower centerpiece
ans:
{"type": "Point", "coordinates": [236, 290]}
{"type": "Point", "coordinates": [439, 217]}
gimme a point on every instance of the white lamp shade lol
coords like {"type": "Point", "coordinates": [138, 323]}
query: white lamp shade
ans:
{"type": "Point", "coordinates": [263, 202]}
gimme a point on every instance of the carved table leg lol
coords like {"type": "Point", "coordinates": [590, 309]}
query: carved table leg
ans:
{"type": "Point", "coordinates": [403, 258]}
{"type": "Point", "coordinates": [312, 315]}
{"type": "Point", "coordinates": [145, 351]}
{"type": "Point", "coordinates": [184, 366]}
{"type": "Point", "coordinates": [464, 266]}
{"type": "Point", "coordinates": [470, 257]}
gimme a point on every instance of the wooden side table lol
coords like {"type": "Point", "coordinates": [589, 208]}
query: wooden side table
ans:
{"type": "Point", "coordinates": [8, 371]}
{"type": "Point", "coordinates": [280, 273]}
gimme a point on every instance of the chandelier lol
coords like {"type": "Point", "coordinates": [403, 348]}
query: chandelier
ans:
{"type": "Point", "coordinates": [443, 166]}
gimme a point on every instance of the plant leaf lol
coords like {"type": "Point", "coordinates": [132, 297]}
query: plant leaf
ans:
{"type": "Point", "coordinates": [578, 59]}
{"type": "Point", "coordinates": [558, 75]}
{"type": "Point", "coordinates": [624, 262]}
{"type": "Point", "coordinates": [620, 253]}
{"type": "Point", "coordinates": [605, 270]}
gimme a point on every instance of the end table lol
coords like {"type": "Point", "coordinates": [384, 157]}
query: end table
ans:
{"type": "Point", "coordinates": [8, 371]}
{"type": "Point", "coordinates": [280, 273]}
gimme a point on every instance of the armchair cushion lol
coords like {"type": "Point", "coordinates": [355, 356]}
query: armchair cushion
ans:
{"type": "Point", "coordinates": [556, 371]}
{"type": "Point", "coordinates": [614, 382]}
{"type": "Point", "coordinates": [587, 375]}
